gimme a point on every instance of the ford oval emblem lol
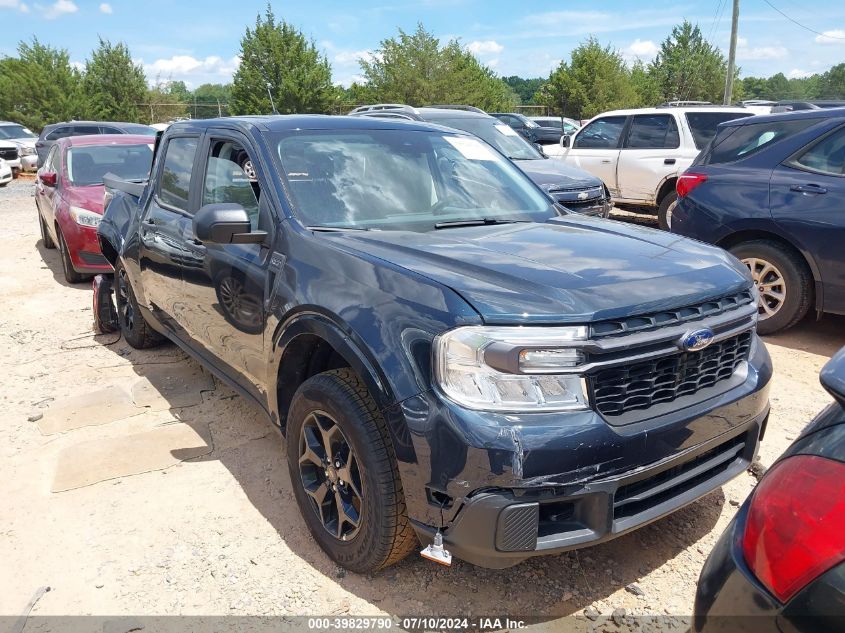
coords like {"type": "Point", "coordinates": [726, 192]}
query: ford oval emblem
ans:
{"type": "Point", "coordinates": [696, 340]}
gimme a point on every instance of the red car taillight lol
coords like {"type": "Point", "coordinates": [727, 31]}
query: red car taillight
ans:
{"type": "Point", "coordinates": [688, 182]}
{"type": "Point", "coordinates": [795, 530]}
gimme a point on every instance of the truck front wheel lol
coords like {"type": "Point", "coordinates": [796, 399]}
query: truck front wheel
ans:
{"type": "Point", "coordinates": [344, 475]}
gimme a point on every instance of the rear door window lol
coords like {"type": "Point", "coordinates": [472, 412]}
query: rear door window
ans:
{"type": "Point", "coordinates": [827, 156]}
{"type": "Point", "coordinates": [653, 131]}
{"type": "Point", "coordinates": [59, 132]}
{"type": "Point", "coordinates": [85, 130]}
{"type": "Point", "coordinates": [601, 133]}
{"type": "Point", "coordinates": [703, 124]}
{"type": "Point", "coordinates": [736, 142]}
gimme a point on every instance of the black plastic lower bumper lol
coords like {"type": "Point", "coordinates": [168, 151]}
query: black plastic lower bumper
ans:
{"type": "Point", "coordinates": [500, 528]}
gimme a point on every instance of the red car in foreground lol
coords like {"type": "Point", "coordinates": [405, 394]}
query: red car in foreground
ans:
{"type": "Point", "coordinates": [69, 194]}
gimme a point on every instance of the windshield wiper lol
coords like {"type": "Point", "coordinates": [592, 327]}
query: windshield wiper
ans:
{"type": "Point", "coordinates": [328, 229]}
{"type": "Point", "coordinates": [475, 222]}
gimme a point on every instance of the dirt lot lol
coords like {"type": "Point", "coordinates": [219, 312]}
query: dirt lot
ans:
{"type": "Point", "coordinates": [165, 499]}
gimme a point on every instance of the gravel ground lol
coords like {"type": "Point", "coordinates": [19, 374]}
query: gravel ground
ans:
{"type": "Point", "coordinates": [220, 534]}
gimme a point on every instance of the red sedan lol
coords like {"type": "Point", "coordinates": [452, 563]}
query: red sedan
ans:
{"type": "Point", "coordinates": [69, 194]}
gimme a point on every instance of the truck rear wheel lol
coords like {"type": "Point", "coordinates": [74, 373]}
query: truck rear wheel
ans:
{"type": "Point", "coordinates": [344, 474]}
{"type": "Point", "coordinates": [133, 326]}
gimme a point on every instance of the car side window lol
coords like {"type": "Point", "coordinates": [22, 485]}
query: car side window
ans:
{"type": "Point", "coordinates": [50, 162]}
{"type": "Point", "coordinates": [653, 131]}
{"type": "Point", "coordinates": [174, 184]}
{"type": "Point", "coordinates": [109, 130]}
{"type": "Point", "coordinates": [85, 130]}
{"type": "Point", "coordinates": [601, 133]}
{"type": "Point", "coordinates": [230, 177]}
{"type": "Point", "coordinates": [59, 132]}
{"type": "Point", "coordinates": [827, 156]}
{"type": "Point", "coordinates": [736, 142]}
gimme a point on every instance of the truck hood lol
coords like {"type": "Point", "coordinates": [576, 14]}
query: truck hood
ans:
{"type": "Point", "coordinates": [553, 174]}
{"type": "Point", "coordinates": [570, 269]}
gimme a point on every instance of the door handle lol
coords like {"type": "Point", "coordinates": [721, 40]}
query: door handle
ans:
{"type": "Point", "coordinates": [810, 188]}
{"type": "Point", "coordinates": [606, 161]}
{"type": "Point", "coordinates": [669, 161]}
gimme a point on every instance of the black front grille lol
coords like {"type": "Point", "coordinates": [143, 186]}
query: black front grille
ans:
{"type": "Point", "coordinates": [8, 154]}
{"type": "Point", "coordinates": [641, 385]}
{"type": "Point", "coordinates": [666, 318]}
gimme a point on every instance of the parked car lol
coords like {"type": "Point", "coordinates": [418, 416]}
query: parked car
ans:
{"type": "Point", "coordinates": [69, 194]}
{"type": "Point", "coordinates": [56, 131]}
{"type": "Point", "coordinates": [9, 154]}
{"type": "Point", "coordinates": [528, 129]}
{"type": "Point", "coordinates": [638, 154]}
{"type": "Point", "coordinates": [818, 104]}
{"type": "Point", "coordinates": [25, 141]}
{"type": "Point", "coordinates": [574, 188]}
{"type": "Point", "coordinates": [568, 126]}
{"type": "Point", "coordinates": [758, 106]}
{"type": "Point", "coordinates": [5, 173]}
{"type": "Point", "coordinates": [780, 565]}
{"type": "Point", "coordinates": [771, 190]}
{"type": "Point", "coordinates": [445, 349]}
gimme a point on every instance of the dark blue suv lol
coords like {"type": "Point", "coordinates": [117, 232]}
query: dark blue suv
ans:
{"type": "Point", "coordinates": [771, 190]}
{"type": "Point", "coordinates": [444, 347]}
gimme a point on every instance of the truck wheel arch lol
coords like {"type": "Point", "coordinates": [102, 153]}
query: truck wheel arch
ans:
{"type": "Point", "coordinates": [311, 343]}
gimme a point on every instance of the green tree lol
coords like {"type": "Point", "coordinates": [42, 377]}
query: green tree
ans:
{"type": "Point", "coordinates": [688, 67]}
{"type": "Point", "coordinates": [165, 101]}
{"type": "Point", "coordinates": [39, 86]}
{"type": "Point", "coordinates": [115, 86]}
{"type": "Point", "coordinates": [645, 85]}
{"type": "Point", "coordinates": [832, 83]}
{"type": "Point", "coordinates": [524, 88]}
{"type": "Point", "coordinates": [415, 69]}
{"type": "Point", "coordinates": [595, 80]}
{"type": "Point", "coordinates": [278, 55]}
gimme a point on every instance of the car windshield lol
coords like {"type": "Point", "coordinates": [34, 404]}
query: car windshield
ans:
{"type": "Point", "coordinates": [403, 180]}
{"type": "Point", "coordinates": [87, 164]}
{"type": "Point", "coordinates": [15, 131]}
{"type": "Point", "coordinates": [501, 136]}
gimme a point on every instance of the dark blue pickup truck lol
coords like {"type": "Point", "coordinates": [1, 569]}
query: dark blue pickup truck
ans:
{"type": "Point", "coordinates": [444, 348]}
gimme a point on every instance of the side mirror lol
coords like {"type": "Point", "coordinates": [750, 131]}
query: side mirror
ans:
{"type": "Point", "coordinates": [49, 178]}
{"type": "Point", "coordinates": [565, 140]}
{"type": "Point", "coordinates": [833, 376]}
{"type": "Point", "coordinates": [225, 223]}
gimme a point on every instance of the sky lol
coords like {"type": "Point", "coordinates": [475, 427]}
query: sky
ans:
{"type": "Point", "coordinates": [198, 42]}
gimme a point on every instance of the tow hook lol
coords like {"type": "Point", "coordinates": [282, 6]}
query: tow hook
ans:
{"type": "Point", "coordinates": [436, 552]}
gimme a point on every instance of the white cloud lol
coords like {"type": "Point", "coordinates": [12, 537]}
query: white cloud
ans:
{"type": "Point", "coordinates": [191, 70]}
{"type": "Point", "coordinates": [744, 52]}
{"type": "Point", "coordinates": [58, 9]}
{"type": "Point", "coordinates": [485, 47]}
{"type": "Point", "coordinates": [105, 7]}
{"type": "Point", "coordinates": [641, 49]}
{"type": "Point", "coordinates": [836, 36]}
{"type": "Point", "coordinates": [352, 57]}
{"type": "Point", "coordinates": [14, 4]}
{"type": "Point", "coordinates": [796, 73]}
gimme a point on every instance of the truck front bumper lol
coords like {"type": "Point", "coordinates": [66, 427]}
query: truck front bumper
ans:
{"type": "Point", "coordinates": [547, 483]}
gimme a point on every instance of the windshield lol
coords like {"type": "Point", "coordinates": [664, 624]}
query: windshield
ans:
{"type": "Point", "coordinates": [15, 131]}
{"type": "Point", "coordinates": [501, 136]}
{"type": "Point", "coordinates": [86, 165]}
{"type": "Point", "coordinates": [403, 180]}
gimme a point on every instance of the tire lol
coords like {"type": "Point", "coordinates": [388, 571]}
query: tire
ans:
{"type": "Point", "coordinates": [338, 399]}
{"type": "Point", "coordinates": [71, 276]}
{"type": "Point", "coordinates": [46, 238]}
{"type": "Point", "coordinates": [133, 326]}
{"type": "Point", "coordinates": [779, 270]}
{"type": "Point", "coordinates": [664, 211]}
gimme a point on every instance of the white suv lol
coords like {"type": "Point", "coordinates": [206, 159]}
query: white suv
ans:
{"type": "Point", "coordinates": [639, 153]}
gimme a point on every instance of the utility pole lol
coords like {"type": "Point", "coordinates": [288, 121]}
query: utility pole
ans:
{"type": "Point", "coordinates": [729, 80]}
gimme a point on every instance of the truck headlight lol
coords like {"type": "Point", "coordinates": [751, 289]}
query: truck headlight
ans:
{"type": "Point", "coordinates": [27, 151]}
{"type": "Point", "coordinates": [85, 217]}
{"type": "Point", "coordinates": [512, 368]}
